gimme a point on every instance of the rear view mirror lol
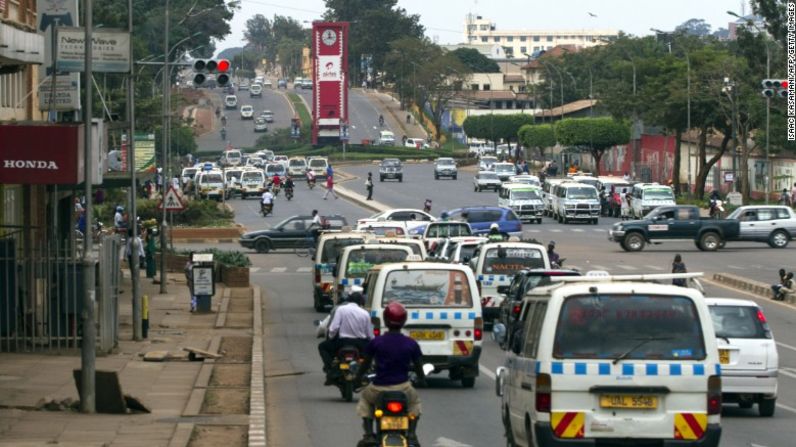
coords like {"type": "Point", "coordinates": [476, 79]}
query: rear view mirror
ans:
{"type": "Point", "coordinates": [503, 290]}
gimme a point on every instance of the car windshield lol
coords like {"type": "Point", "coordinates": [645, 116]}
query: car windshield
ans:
{"type": "Point", "coordinates": [212, 178]}
{"type": "Point", "coordinates": [333, 247]}
{"type": "Point", "coordinates": [246, 109]}
{"type": "Point", "coordinates": [448, 230]}
{"type": "Point", "coordinates": [658, 194]}
{"type": "Point", "coordinates": [540, 280]}
{"type": "Point", "coordinates": [188, 172]}
{"type": "Point", "coordinates": [318, 163]}
{"type": "Point", "coordinates": [360, 261]}
{"type": "Point", "coordinates": [443, 162]}
{"type": "Point", "coordinates": [510, 260]}
{"type": "Point", "coordinates": [467, 251]}
{"type": "Point", "coordinates": [296, 163]}
{"type": "Point", "coordinates": [633, 327]}
{"type": "Point", "coordinates": [737, 322]}
{"type": "Point", "coordinates": [504, 168]}
{"type": "Point", "coordinates": [488, 176]}
{"type": "Point", "coordinates": [253, 176]}
{"type": "Point", "coordinates": [274, 169]}
{"type": "Point", "coordinates": [524, 195]}
{"type": "Point", "coordinates": [391, 163]}
{"type": "Point", "coordinates": [428, 288]}
{"type": "Point", "coordinates": [229, 175]}
{"type": "Point", "coordinates": [260, 121]}
{"type": "Point", "coordinates": [581, 193]}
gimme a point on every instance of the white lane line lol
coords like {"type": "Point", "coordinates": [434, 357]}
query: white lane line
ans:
{"type": "Point", "coordinates": [787, 373]}
{"type": "Point", "coordinates": [599, 267]}
{"type": "Point", "coordinates": [254, 269]}
{"type": "Point", "coordinates": [654, 267]}
{"type": "Point", "coordinates": [279, 270]}
{"type": "Point", "coordinates": [626, 267]}
{"type": "Point", "coordinates": [555, 230]}
{"type": "Point", "coordinates": [787, 408]}
{"type": "Point", "coordinates": [486, 371]}
{"type": "Point", "coordinates": [599, 230]}
{"type": "Point", "coordinates": [578, 230]}
{"type": "Point", "coordinates": [533, 231]}
{"type": "Point", "coordinates": [792, 348]}
{"type": "Point", "coordinates": [735, 267]}
{"type": "Point", "coordinates": [304, 269]}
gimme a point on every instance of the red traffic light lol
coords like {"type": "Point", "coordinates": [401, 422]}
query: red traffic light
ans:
{"type": "Point", "coordinates": [222, 65]}
{"type": "Point", "coordinates": [783, 84]}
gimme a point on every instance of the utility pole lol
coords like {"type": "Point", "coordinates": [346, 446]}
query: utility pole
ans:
{"type": "Point", "coordinates": [768, 123]}
{"type": "Point", "coordinates": [137, 317]}
{"type": "Point", "coordinates": [88, 353]}
{"type": "Point", "coordinates": [164, 157]}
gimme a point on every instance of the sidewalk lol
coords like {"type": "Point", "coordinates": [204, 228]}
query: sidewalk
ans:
{"type": "Point", "coordinates": [395, 117]}
{"type": "Point", "coordinates": [173, 390]}
{"type": "Point", "coordinates": [750, 285]}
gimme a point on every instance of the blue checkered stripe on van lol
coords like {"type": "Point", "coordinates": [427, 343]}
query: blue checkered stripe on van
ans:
{"type": "Point", "coordinates": [435, 315]}
{"type": "Point", "coordinates": [626, 369]}
{"type": "Point", "coordinates": [351, 282]}
{"type": "Point", "coordinates": [487, 280]}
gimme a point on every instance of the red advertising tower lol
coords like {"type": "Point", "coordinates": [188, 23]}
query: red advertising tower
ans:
{"type": "Point", "coordinates": [329, 81]}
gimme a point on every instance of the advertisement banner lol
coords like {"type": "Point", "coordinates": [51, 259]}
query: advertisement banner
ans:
{"type": "Point", "coordinates": [111, 50]}
{"type": "Point", "coordinates": [145, 153]}
{"type": "Point", "coordinates": [27, 156]}
{"type": "Point", "coordinates": [66, 97]}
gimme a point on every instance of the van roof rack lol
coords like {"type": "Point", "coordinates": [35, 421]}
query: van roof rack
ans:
{"type": "Point", "coordinates": [603, 276]}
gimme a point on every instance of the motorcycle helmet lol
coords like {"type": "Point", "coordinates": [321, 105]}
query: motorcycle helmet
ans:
{"type": "Point", "coordinates": [494, 226]}
{"type": "Point", "coordinates": [394, 315]}
{"type": "Point", "coordinates": [119, 209]}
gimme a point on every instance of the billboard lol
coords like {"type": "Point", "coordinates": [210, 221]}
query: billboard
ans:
{"type": "Point", "coordinates": [66, 97]}
{"type": "Point", "coordinates": [110, 50]}
{"type": "Point", "coordinates": [330, 81]}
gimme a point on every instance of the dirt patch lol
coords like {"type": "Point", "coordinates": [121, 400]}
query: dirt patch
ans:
{"type": "Point", "coordinates": [240, 292]}
{"type": "Point", "coordinates": [219, 435]}
{"type": "Point", "coordinates": [240, 305]}
{"type": "Point", "coordinates": [236, 349]}
{"type": "Point", "coordinates": [226, 401]}
{"type": "Point", "coordinates": [233, 375]}
{"type": "Point", "coordinates": [239, 320]}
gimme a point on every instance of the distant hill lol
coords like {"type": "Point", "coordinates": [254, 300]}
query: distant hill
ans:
{"type": "Point", "coordinates": [229, 53]}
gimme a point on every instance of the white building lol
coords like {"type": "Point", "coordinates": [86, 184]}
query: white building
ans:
{"type": "Point", "coordinates": [517, 43]}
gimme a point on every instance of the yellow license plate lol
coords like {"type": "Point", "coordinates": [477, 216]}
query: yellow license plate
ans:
{"type": "Point", "coordinates": [631, 401]}
{"type": "Point", "coordinates": [394, 423]}
{"type": "Point", "coordinates": [344, 366]}
{"type": "Point", "coordinates": [724, 356]}
{"type": "Point", "coordinates": [431, 335]}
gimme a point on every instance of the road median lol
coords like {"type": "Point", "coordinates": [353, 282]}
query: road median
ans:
{"type": "Point", "coordinates": [749, 285]}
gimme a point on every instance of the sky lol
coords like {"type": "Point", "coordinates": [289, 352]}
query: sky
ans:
{"type": "Point", "coordinates": [444, 19]}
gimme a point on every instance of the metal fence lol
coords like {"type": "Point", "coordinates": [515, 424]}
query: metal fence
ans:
{"type": "Point", "coordinates": [41, 295]}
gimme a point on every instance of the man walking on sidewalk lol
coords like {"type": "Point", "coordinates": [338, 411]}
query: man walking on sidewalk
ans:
{"type": "Point", "coordinates": [369, 186]}
{"type": "Point", "coordinates": [329, 187]}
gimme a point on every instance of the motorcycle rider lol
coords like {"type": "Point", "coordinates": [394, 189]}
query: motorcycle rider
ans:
{"type": "Point", "coordinates": [551, 253]}
{"type": "Point", "coordinates": [427, 206]}
{"type": "Point", "coordinates": [289, 185]}
{"type": "Point", "coordinates": [394, 353]}
{"type": "Point", "coordinates": [381, 120]}
{"type": "Point", "coordinates": [118, 221]}
{"type": "Point", "coordinates": [349, 325]}
{"type": "Point", "coordinates": [276, 183]}
{"type": "Point", "coordinates": [267, 201]}
{"type": "Point", "coordinates": [494, 233]}
{"type": "Point", "coordinates": [310, 178]}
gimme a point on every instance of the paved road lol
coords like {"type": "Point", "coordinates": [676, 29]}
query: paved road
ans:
{"type": "Point", "coordinates": [303, 412]}
{"type": "Point", "coordinates": [240, 133]}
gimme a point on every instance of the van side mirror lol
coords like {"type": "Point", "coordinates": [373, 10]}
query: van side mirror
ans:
{"type": "Point", "coordinates": [503, 290]}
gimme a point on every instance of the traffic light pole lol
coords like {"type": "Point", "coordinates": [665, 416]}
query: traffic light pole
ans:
{"type": "Point", "coordinates": [768, 122]}
{"type": "Point", "coordinates": [133, 188]}
{"type": "Point", "coordinates": [163, 152]}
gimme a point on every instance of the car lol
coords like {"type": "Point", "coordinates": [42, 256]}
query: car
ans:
{"type": "Point", "coordinates": [246, 112]}
{"type": "Point", "coordinates": [267, 115]}
{"type": "Point", "coordinates": [605, 360]}
{"type": "Point", "coordinates": [416, 143]}
{"type": "Point", "coordinates": [386, 138]}
{"type": "Point", "coordinates": [296, 167]}
{"type": "Point", "coordinates": [210, 184]}
{"type": "Point", "coordinates": [252, 183]}
{"type": "Point", "coordinates": [747, 353]}
{"type": "Point", "coordinates": [486, 180]}
{"type": "Point", "coordinates": [273, 168]}
{"type": "Point", "coordinates": [293, 232]}
{"type": "Point", "coordinates": [411, 217]}
{"type": "Point", "coordinates": [265, 154]}
{"type": "Point", "coordinates": [260, 125]}
{"type": "Point", "coordinates": [255, 161]}
{"type": "Point", "coordinates": [306, 84]}
{"type": "Point", "coordinates": [445, 167]}
{"type": "Point", "coordinates": [258, 80]}
{"type": "Point", "coordinates": [444, 312]}
{"type": "Point", "coordinates": [282, 83]}
{"type": "Point", "coordinates": [384, 228]}
{"type": "Point", "coordinates": [330, 244]}
{"type": "Point", "coordinates": [297, 82]}
{"type": "Point", "coordinates": [256, 90]}
{"type": "Point", "coordinates": [188, 174]}
{"type": "Point", "coordinates": [524, 199]}
{"type": "Point", "coordinates": [267, 83]}
{"type": "Point", "coordinates": [481, 218]}
{"type": "Point", "coordinates": [573, 201]}
{"type": "Point", "coordinates": [774, 224]}
{"type": "Point", "coordinates": [281, 159]}
{"type": "Point", "coordinates": [504, 170]}
{"type": "Point", "coordinates": [436, 232]}
{"type": "Point", "coordinates": [230, 102]}
{"type": "Point", "coordinates": [459, 250]}
{"type": "Point", "coordinates": [230, 157]}
{"type": "Point", "coordinates": [648, 196]}
{"type": "Point", "coordinates": [244, 84]}
{"type": "Point", "coordinates": [526, 179]}
{"type": "Point", "coordinates": [391, 168]}
{"type": "Point", "coordinates": [487, 163]}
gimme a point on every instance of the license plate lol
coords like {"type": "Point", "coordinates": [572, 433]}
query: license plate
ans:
{"type": "Point", "coordinates": [630, 401]}
{"type": "Point", "coordinates": [344, 366]}
{"type": "Point", "coordinates": [394, 423]}
{"type": "Point", "coordinates": [427, 335]}
{"type": "Point", "coordinates": [724, 356]}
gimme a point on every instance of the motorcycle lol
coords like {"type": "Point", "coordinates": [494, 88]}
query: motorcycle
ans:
{"type": "Point", "coordinates": [289, 193]}
{"type": "Point", "coordinates": [311, 182]}
{"type": "Point", "coordinates": [275, 189]}
{"type": "Point", "coordinates": [558, 265]}
{"type": "Point", "coordinates": [223, 133]}
{"type": "Point", "coordinates": [716, 209]}
{"type": "Point", "coordinates": [427, 206]}
{"type": "Point", "coordinates": [345, 366]}
{"type": "Point", "coordinates": [266, 209]}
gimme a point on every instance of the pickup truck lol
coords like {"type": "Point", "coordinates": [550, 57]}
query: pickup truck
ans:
{"type": "Point", "coordinates": [675, 223]}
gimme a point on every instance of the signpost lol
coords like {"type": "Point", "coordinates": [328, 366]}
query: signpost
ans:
{"type": "Point", "coordinates": [171, 201]}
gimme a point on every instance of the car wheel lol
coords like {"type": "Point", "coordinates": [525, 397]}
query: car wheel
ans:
{"type": "Point", "coordinates": [400, 179]}
{"type": "Point", "coordinates": [468, 382]}
{"type": "Point", "coordinates": [454, 177]}
{"type": "Point", "coordinates": [595, 221]}
{"type": "Point", "coordinates": [766, 407]}
{"type": "Point", "coordinates": [778, 239]}
{"type": "Point", "coordinates": [507, 427]}
{"type": "Point", "coordinates": [262, 246]}
{"type": "Point", "coordinates": [709, 241]}
{"type": "Point", "coordinates": [633, 242]}
{"type": "Point", "coordinates": [381, 179]}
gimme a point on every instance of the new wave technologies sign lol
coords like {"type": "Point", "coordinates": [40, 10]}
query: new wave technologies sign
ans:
{"type": "Point", "coordinates": [110, 50]}
{"type": "Point", "coordinates": [330, 81]}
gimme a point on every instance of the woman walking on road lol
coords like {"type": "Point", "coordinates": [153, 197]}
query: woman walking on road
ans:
{"type": "Point", "coordinates": [369, 186]}
{"type": "Point", "coordinates": [329, 187]}
{"type": "Point", "coordinates": [678, 266]}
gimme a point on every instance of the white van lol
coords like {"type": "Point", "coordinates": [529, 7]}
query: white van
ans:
{"type": "Point", "coordinates": [355, 261]}
{"type": "Point", "coordinates": [444, 312]}
{"type": "Point", "coordinates": [256, 90]}
{"type": "Point", "coordinates": [505, 170]}
{"type": "Point", "coordinates": [417, 246]}
{"type": "Point", "coordinates": [318, 166]}
{"type": "Point", "coordinates": [603, 361]}
{"type": "Point", "coordinates": [252, 183]}
{"type": "Point", "coordinates": [231, 157]}
{"type": "Point", "coordinates": [272, 169]}
{"type": "Point", "coordinates": [230, 102]}
{"type": "Point", "coordinates": [232, 178]}
{"type": "Point", "coordinates": [575, 201]}
{"type": "Point", "coordinates": [648, 196]}
{"type": "Point", "coordinates": [188, 174]}
{"type": "Point", "coordinates": [296, 167]}
{"type": "Point", "coordinates": [496, 263]}
{"type": "Point", "coordinates": [547, 193]}
{"type": "Point", "coordinates": [524, 199]}
{"type": "Point", "coordinates": [386, 138]}
{"type": "Point", "coordinates": [210, 184]}
{"type": "Point", "coordinates": [330, 244]}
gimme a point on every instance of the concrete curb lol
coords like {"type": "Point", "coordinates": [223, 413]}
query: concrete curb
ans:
{"type": "Point", "coordinates": [194, 404]}
{"type": "Point", "coordinates": [221, 317]}
{"type": "Point", "coordinates": [359, 199]}
{"type": "Point", "coordinates": [204, 241]}
{"type": "Point", "coordinates": [749, 285]}
{"type": "Point", "coordinates": [257, 420]}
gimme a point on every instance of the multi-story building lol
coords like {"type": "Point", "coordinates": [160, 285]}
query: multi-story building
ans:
{"type": "Point", "coordinates": [518, 43]}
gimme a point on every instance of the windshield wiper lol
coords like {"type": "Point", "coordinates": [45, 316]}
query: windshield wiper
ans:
{"type": "Point", "coordinates": [642, 342]}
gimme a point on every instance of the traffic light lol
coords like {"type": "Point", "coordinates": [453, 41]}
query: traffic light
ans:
{"type": "Point", "coordinates": [219, 68]}
{"type": "Point", "coordinates": [775, 87]}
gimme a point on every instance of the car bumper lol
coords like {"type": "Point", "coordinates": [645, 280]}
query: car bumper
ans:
{"type": "Point", "coordinates": [528, 214]}
{"type": "Point", "coordinates": [575, 214]}
{"type": "Point", "coordinates": [616, 235]}
{"type": "Point", "coordinates": [546, 437]}
{"type": "Point", "coordinates": [749, 382]}
{"type": "Point", "coordinates": [246, 243]}
{"type": "Point", "coordinates": [391, 174]}
{"type": "Point", "coordinates": [446, 173]}
{"type": "Point", "coordinates": [468, 363]}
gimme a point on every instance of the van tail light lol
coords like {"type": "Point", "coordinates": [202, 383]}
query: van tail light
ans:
{"type": "Point", "coordinates": [761, 317]}
{"type": "Point", "coordinates": [714, 395]}
{"type": "Point", "coordinates": [376, 322]}
{"type": "Point", "coordinates": [515, 310]}
{"type": "Point", "coordinates": [317, 275]}
{"type": "Point", "coordinates": [543, 393]}
{"type": "Point", "coordinates": [478, 332]}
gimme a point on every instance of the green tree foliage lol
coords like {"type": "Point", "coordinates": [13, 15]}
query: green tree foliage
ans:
{"type": "Point", "coordinates": [281, 38]}
{"type": "Point", "coordinates": [537, 136]}
{"type": "Point", "coordinates": [774, 12]}
{"type": "Point", "coordinates": [594, 135]}
{"type": "Point", "coordinates": [475, 61]}
{"type": "Point", "coordinates": [694, 27]}
{"type": "Point", "coordinates": [258, 32]}
{"type": "Point", "coordinates": [374, 25]}
{"type": "Point", "coordinates": [496, 127]}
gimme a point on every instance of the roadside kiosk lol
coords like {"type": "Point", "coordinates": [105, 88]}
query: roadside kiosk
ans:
{"type": "Point", "coordinates": [203, 285]}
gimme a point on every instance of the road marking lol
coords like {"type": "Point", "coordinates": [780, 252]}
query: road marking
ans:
{"type": "Point", "coordinates": [487, 372]}
{"type": "Point", "coordinates": [578, 230]}
{"type": "Point", "coordinates": [445, 442]}
{"type": "Point", "coordinates": [626, 267]}
{"type": "Point", "coordinates": [792, 348]}
{"type": "Point", "coordinates": [533, 231]}
{"type": "Point", "coordinates": [654, 267]}
{"type": "Point", "coordinates": [757, 445]}
{"type": "Point", "coordinates": [735, 267]}
{"type": "Point", "coordinates": [304, 269]}
{"type": "Point", "coordinates": [555, 230]}
{"type": "Point", "coordinates": [790, 374]}
{"type": "Point", "coordinates": [254, 269]}
{"type": "Point", "coordinates": [787, 408]}
{"type": "Point", "coordinates": [599, 230]}
{"type": "Point", "coordinates": [279, 270]}
{"type": "Point", "coordinates": [599, 267]}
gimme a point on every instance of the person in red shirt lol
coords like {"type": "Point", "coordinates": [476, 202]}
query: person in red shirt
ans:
{"type": "Point", "coordinates": [329, 187]}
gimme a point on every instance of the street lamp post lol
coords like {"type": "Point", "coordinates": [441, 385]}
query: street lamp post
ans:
{"type": "Point", "coordinates": [164, 149]}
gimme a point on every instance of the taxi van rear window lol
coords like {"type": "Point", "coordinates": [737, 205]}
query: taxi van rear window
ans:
{"type": "Point", "coordinates": [428, 288]}
{"type": "Point", "coordinates": [632, 327]}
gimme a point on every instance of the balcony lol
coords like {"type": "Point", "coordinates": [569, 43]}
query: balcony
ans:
{"type": "Point", "coordinates": [18, 47]}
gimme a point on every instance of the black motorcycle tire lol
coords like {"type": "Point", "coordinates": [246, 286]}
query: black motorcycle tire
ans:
{"type": "Point", "coordinates": [347, 390]}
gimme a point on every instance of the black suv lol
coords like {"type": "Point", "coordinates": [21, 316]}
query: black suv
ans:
{"type": "Point", "coordinates": [391, 168]}
{"type": "Point", "coordinates": [293, 232]}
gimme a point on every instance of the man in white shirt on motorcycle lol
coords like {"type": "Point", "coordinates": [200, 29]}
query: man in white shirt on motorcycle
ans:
{"type": "Point", "coordinates": [267, 201]}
